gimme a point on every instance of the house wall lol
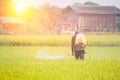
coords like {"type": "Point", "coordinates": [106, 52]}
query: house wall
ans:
{"type": "Point", "coordinates": [71, 22]}
{"type": "Point", "coordinates": [12, 25]}
{"type": "Point", "coordinates": [90, 23]}
{"type": "Point", "coordinates": [94, 22]}
{"type": "Point", "coordinates": [68, 28]}
{"type": "Point", "coordinates": [12, 28]}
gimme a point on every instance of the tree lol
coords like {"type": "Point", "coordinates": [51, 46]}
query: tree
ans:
{"type": "Point", "coordinates": [7, 8]}
{"type": "Point", "coordinates": [77, 4]}
{"type": "Point", "coordinates": [90, 3]}
{"type": "Point", "coordinates": [43, 19]}
{"type": "Point", "coordinates": [50, 16]}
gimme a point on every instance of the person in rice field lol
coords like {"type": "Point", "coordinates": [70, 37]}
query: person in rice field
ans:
{"type": "Point", "coordinates": [78, 44]}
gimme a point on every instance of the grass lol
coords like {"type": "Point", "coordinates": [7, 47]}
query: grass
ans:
{"type": "Point", "coordinates": [19, 63]}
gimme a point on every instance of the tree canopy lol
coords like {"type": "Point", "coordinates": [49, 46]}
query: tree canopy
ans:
{"type": "Point", "coordinates": [90, 3]}
{"type": "Point", "coordinates": [7, 8]}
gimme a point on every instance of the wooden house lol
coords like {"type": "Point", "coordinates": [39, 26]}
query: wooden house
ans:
{"type": "Point", "coordinates": [90, 18]}
{"type": "Point", "coordinates": [11, 25]}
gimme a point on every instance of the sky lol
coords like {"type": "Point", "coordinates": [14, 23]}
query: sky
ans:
{"type": "Point", "coordinates": [64, 3]}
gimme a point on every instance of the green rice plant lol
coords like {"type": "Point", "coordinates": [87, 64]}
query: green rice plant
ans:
{"type": "Point", "coordinates": [19, 63]}
{"type": "Point", "coordinates": [57, 40]}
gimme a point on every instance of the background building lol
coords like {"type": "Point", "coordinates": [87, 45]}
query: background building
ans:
{"type": "Point", "coordinates": [12, 25]}
{"type": "Point", "coordinates": [90, 18]}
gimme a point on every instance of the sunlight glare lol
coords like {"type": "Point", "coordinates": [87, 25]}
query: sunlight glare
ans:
{"type": "Point", "coordinates": [20, 6]}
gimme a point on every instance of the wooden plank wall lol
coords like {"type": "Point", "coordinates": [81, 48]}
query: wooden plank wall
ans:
{"type": "Point", "coordinates": [91, 22]}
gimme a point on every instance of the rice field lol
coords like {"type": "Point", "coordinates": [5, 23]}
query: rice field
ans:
{"type": "Point", "coordinates": [25, 63]}
{"type": "Point", "coordinates": [48, 57]}
{"type": "Point", "coordinates": [57, 40]}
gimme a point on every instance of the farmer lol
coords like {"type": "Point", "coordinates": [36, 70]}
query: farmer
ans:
{"type": "Point", "coordinates": [78, 45]}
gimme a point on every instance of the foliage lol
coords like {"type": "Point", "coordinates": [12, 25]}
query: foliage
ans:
{"type": "Point", "coordinates": [20, 63]}
{"type": "Point", "coordinates": [77, 4]}
{"type": "Point", "coordinates": [90, 3]}
{"type": "Point", "coordinates": [43, 19]}
{"type": "Point", "coordinates": [57, 40]}
{"type": "Point", "coordinates": [7, 8]}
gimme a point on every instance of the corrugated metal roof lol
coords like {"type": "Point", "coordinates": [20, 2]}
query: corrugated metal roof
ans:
{"type": "Point", "coordinates": [95, 9]}
{"type": "Point", "coordinates": [11, 20]}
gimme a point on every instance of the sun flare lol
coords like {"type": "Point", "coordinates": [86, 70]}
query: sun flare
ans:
{"type": "Point", "coordinates": [20, 6]}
